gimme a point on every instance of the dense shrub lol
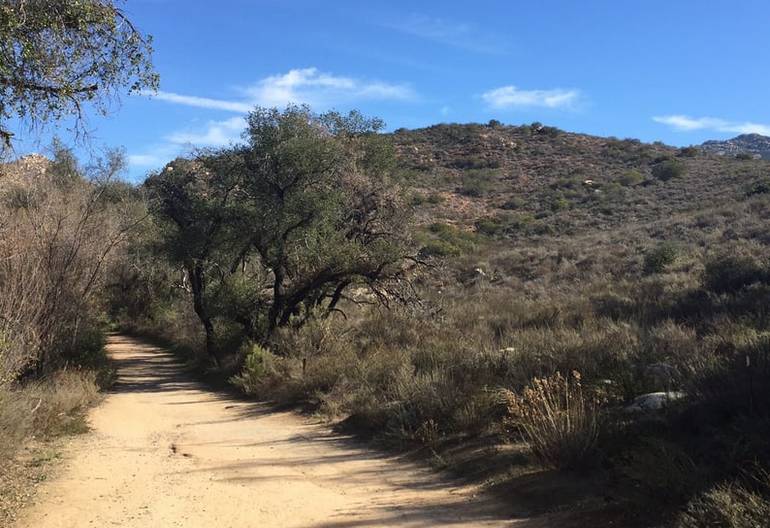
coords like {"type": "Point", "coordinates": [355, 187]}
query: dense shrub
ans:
{"type": "Point", "coordinates": [631, 177]}
{"type": "Point", "coordinates": [668, 170]}
{"type": "Point", "coordinates": [760, 186]}
{"type": "Point", "coordinates": [732, 272]}
{"type": "Point", "coordinates": [477, 183]}
{"type": "Point", "coordinates": [659, 258]}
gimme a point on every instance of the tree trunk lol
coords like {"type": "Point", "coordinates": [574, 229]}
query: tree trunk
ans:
{"type": "Point", "coordinates": [198, 286]}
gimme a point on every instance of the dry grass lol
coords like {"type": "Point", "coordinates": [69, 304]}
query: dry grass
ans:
{"type": "Point", "coordinates": [731, 505]}
{"type": "Point", "coordinates": [559, 420]}
{"type": "Point", "coordinates": [45, 408]}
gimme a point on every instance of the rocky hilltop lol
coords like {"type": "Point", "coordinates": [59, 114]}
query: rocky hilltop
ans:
{"type": "Point", "coordinates": [755, 145]}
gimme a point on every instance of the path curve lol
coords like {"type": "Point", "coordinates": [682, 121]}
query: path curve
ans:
{"type": "Point", "coordinates": [166, 452]}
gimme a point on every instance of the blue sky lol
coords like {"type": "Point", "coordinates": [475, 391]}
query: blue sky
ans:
{"type": "Point", "coordinates": [676, 71]}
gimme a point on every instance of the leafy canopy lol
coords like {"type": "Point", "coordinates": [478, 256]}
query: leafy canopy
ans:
{"type": "Point", "coordinates": [276, 230]}
{"type": "Point", "coordinates": [56, 55]}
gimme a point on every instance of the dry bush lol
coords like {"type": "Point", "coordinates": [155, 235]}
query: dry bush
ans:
{"type": "Point", "coordinates": [58, 230]}
{"type": "Point", "coordinates": [559, 420]}
{"type": "Point", "coordinates": [730, 505]}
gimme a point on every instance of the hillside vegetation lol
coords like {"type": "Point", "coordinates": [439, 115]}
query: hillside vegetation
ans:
{"type": "Point", "coordinates": [499, 297]}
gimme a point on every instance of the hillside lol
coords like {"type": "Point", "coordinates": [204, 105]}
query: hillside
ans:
{"type": "Point", "coordinates": [564, 180]}
{"type": "Point", "coordinates": [524, 185]}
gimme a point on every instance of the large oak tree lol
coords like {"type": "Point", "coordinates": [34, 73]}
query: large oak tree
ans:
{"type": "Point", "coordinates": [278, 230]}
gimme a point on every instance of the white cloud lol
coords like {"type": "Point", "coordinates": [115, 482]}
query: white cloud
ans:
{"type": "Point", "coordinates": [215, 134]}
{"type": "Point", "coordinates": [512, 97]}
{"type": "Point", "coordinates": [300, 86]}
{"type": "Point", "coordinates": [686, 123]}
{"type": "Point", "coordinates": [458, 34]}
{"type": "Point", "coordinates": [154, 157]}
{"type": "Point", "coordinates": [200, 102]}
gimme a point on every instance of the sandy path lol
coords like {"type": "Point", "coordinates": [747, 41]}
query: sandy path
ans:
{"type": "Point", "coordinates": [166, 452]}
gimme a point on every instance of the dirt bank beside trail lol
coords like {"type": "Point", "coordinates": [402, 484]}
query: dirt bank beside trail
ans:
{"type": "Point", "coordinates": [166, 452]}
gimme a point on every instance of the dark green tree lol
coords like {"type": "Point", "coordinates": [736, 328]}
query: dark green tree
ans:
{"type": "Point", "coordinates": [276, 231]}
{"type": "Point", "coordinates": [56, 55]}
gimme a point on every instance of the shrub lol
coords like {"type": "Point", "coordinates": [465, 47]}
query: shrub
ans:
{"type": "Point", "coordinates": [688, 152]}
{"type": "Point", "coordinates": [559, 203]}
{"type": "Point", "coordinates": [631, 177]}
{"type": "Point", "coordinates": [513, 203]}
{"type": "Point", "coordinates": [476, 183]}
{"type": "Point", "coordinates": [760, 186]}
{"type": "Point", "coordinates": [559, 421]}
{"type": "Point", "coordinates": [656, 260]}
{"type": "Point", "coordinates": [744, 156]}
{"type": "Point", "coordinates": [731, 273]}
{"type": "Point", "coordinates": [258, 369]}
{"type": "Point", "coordinates": [489, 226]}
{"type": "Point", "coordinates": [668, 170]}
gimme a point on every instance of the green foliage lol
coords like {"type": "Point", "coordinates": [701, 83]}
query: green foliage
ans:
{"type": "Point", "coordinates": [631, 177]}
{"type": "Point", "coordinates": [744, 156]}
{"type": "Point", "coordinates": [304, 210]}
{"type": "Point", "coordinates": [760, 186]}
{"type": "Point", "coordinates": [56, 55]}
{"type": "Point", "coordinates": [257, 369]}
{"type": "Point", "coordinates": [559, 203]}
{"type": "Point", "coordinates": [445, 240]}
{"type": "Point", "coordinates": [659, 258]}
{"type": "Point", "coordinates": [477, 183]}
{"type": "Point", "coordinates": [668, 170]}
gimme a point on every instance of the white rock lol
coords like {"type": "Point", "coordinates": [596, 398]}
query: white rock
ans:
{"type": "Point", "coordinates": [653, 401]}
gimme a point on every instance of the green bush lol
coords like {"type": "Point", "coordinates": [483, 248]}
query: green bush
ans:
{"type": "Point", "coordinates": [258, 369]}
{"type": "Point", "coordinates": [668, 170]}
{"type": "Point", "coordinates": [631, 177]}
{"type": "Point", "coordinates": [760, 186]}
{"type": "Point", "coordinates": [656, 260]}
{"type": "Point", "coordinates": [476, 183]}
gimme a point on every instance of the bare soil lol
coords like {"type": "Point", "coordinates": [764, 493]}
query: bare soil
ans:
{"type": "Point", "coordinates": [165, 451]}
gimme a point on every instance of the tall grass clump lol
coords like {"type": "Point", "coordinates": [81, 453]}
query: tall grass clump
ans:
{"type": "Point", "coordinates": [559, 420]}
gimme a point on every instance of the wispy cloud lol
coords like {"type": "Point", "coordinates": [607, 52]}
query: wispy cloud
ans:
{"type": "Point", "coordinates": [303, 85]}
{"type": "Point", "coordinates": [687, 123]}
{"type": "Point", "coordinates": [457, 34]}
{"type": "Point", "coordinates": [512, 97]}
{"type": "Point", "coordinates": [200, 102]}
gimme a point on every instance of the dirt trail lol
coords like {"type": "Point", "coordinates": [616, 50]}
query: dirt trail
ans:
{"type": "Point", "coordinates": [166, 452]}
